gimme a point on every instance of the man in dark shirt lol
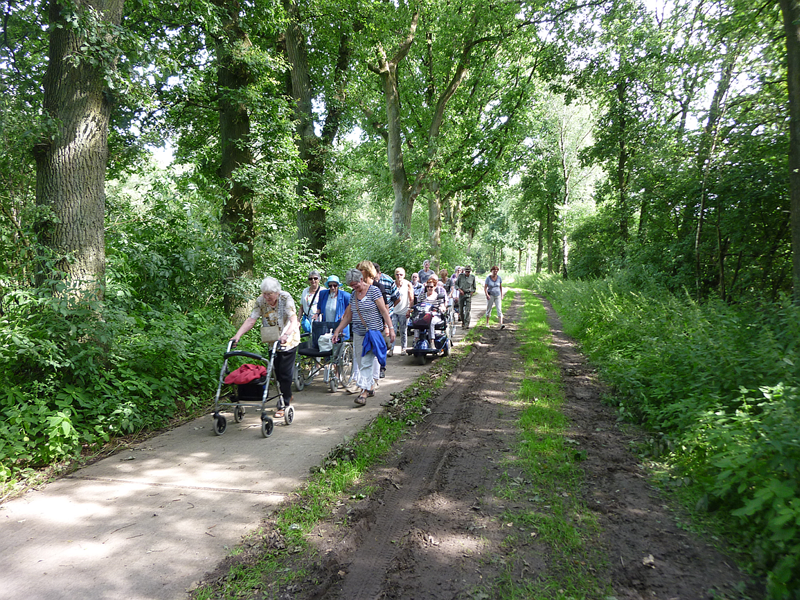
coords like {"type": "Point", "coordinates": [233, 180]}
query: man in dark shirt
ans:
{"type": "Point", "coordinates": [466, 285]}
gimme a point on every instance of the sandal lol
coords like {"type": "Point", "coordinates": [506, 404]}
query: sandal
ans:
{"type": "Point", "coordinates": [278, 414]}
{"type": "Point", "coordinates": [361, 399]}
{"type": "Point", "coordinates": [370, 393]}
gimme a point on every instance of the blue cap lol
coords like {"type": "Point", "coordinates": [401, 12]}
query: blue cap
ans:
{"type": "Point", "coordinates": [332, 279]}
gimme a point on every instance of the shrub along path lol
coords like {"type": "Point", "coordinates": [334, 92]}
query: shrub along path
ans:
{"type": "Point", "coordinates": [497, 495]}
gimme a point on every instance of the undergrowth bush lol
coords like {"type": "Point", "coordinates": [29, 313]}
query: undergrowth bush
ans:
{"type": "Point", "coordinates": [72, 378]}
{"type": "Point", "coordinates": [719, 384]}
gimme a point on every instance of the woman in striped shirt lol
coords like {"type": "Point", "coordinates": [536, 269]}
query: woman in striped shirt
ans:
{"type": "Point", "coordinates": [368, 314]}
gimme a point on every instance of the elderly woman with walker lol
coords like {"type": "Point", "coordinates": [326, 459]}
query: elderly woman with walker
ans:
{"type": "Point", "coordinates": [278, 315]}
{"type": "Point", "coordinates": [368, 315]}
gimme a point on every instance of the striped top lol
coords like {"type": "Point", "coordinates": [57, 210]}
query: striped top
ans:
{"type": "Point", "coordinates": [367, 307]}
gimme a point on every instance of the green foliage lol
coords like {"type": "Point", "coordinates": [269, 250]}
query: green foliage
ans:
{"type": "Point", "coordinates": [71, 379]}
{"type": "Point", "coordinates": [718, 384]}
{"type": "Point", "coordinates": [749, 462]}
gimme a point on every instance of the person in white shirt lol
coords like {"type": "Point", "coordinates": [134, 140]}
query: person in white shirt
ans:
{"type": "Point", "coordinates": [402, 308]}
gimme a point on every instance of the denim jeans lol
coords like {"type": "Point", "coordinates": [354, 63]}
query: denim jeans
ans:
{"type": "Point", "coordinates": [399, 323]}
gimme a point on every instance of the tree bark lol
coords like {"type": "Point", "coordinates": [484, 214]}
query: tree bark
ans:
{"type": "Point", "coordinates": [539, 247]}
{"type": "Point", "coordinates": [403, 196]}
{"type": "Point", "coordinates": [71, 164]}
{"type": "Point", "coordinates": [791, 25]}
{"type": "Point", "coordinates": [233, 76]}
{"type": "Point", "coordinates": [312, 215]}
{"type": "Point", "coordinates": [435, 224]}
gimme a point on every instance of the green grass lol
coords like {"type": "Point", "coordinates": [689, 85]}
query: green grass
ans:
{"type": "Point", "coordinates": [552, 480]}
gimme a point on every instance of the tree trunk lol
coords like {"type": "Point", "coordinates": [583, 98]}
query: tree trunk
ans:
{"type": "Point", "coordinates": [71, 164]}
{"type": "Point", "coordinates": [435, 224]}
{"type": "Point", "coordinates": [539, 247]}
{"type": "Point", "coordinates": [705, 155]}
{"type": "Point", "coordinates": [311, 216]}
{"type": "Point", "coordinates": [233, 77]}
{"type": "Point", "coordinates": [550, 261]}
{"type": "Point", "coordinates": [791, 25]}
{"type": "Point", "coordinates": [403, 195]}
{"type": "Point", "coordinates": [622, 165]}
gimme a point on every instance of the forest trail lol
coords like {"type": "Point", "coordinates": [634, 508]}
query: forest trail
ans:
{"type": "Point", "coordinates": [150, 521]}
{"type": "Point", "coordinates": [435, 528]}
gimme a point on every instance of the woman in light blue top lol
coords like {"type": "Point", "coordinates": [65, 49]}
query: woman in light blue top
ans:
{"type": "Point", "coordinates": [493, 288]}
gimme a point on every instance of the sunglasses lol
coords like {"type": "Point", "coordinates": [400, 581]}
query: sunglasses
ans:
{"type": "Point", "coordinates": [431, 286]}
{"type": "Point", "coordinates": [330, 285]}
{"type": "Point", "coordinates": [313, 278]}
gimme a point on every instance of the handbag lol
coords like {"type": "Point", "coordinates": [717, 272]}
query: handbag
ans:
{"type": "Point", "coordinates": [305, 321]}
{"type": "Point", "coordinates": [270, 334]}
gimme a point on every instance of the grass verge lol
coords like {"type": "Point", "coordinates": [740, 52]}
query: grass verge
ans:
{"type": "Point", "coordinates": [551, 490]}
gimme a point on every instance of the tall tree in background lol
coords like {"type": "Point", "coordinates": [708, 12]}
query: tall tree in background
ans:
{"type": "Point", "coordinates": [314, 150]}
{"type": "Point", "coordinates": [233, 48]}
{"type": "Point", "coordinates": [791, 24]}
{"type": "Point", "coordinates": [71, 162]}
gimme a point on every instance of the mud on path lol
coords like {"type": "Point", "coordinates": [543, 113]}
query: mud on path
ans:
{"type": "Point", "coordinates": [433, 528]}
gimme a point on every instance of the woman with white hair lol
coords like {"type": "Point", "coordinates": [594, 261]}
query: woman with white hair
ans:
{"type": "Point", "coordinates": [278, 315]}
{"type": "Point", "coordinates": [368, 315]}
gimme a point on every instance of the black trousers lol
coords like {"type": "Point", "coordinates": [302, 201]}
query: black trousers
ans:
{"type": "Point", "coordinates": [284, 372]}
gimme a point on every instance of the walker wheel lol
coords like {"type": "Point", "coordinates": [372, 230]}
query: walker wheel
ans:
{"type": "Point", "coordinates": [266, 427]}
{"type": "Point", "coordinates": [238, 413]}
{"type": "Point", "coordinates": [288, 415]}
{"type": "Point", "coordinates": [220, 424]}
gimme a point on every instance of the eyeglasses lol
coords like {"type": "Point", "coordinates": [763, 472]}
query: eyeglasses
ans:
{"type": "Point", "coordinates": [313, 278]}
{"type": "Point", "coordinates": [330, 285]}
{"type": "Point", "coordinates": [430, 286]}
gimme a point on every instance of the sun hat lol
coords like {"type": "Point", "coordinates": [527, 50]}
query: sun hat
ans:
{"type": "Point", "coordinates": [332, 279]}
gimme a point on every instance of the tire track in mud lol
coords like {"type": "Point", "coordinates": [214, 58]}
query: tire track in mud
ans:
{"type": "Point", "coordinates": [421, 470]}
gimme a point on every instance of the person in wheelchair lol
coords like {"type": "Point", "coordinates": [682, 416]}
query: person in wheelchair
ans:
{"type": "Point", "coordinates": [430, 309]}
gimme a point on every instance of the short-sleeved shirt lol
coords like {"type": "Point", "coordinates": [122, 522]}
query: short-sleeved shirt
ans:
{"type": "Point", "coordinates": [368, 310]}
{"type": "Point", "coordinates": [423, 276]}
{"type": "Point", "coordinates": [493, 287]}
{"type": "Point", "coordinates": [279, 315]}
{"type": "Point", "coordinates": [402, 307]}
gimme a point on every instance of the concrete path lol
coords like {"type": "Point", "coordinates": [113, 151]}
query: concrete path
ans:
{"type": "Point", "coordinates": [148, 523]}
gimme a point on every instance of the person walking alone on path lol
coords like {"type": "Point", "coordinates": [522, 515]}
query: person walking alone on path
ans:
{"type": "Point", "coordinates": [493, 288]}
{"type": "Point", "coordinates": [466, 285]}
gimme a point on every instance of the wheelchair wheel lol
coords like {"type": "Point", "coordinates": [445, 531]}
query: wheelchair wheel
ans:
{"type": "Point", "coordinates": [267, 426]}
{"type": "Point", "coordinates": [346, 364]}
{"type": "Point", "coordinates": [299, 383]}
{"type": "Point", "coordinates": [305, 369]}
{"type": "Point", "coordinates": [332, 382]}
{"type": "Point", "coordinates": [220, 424]}
{"type": "Point", "coordinates": [238, 413]}
{"type": "Point", "coordinates": [288, 415]}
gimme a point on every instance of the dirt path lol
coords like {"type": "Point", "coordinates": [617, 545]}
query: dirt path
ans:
{"type": "Point", "coordinates": [433, 529]}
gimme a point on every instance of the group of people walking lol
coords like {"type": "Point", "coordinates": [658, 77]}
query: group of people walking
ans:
{"type": "Point", "coordinates": [375, 314]}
